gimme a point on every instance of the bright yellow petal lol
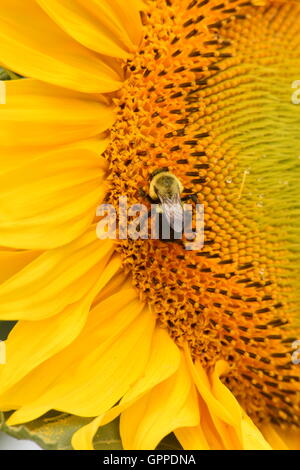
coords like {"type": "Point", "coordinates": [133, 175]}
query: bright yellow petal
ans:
{"type": "Point", "coordinates": [100, 26]}
{"type": "Point", "coordinates": [119, 281]}
{"type": "Point", "coordinates": [33, 45]}
{"type": "Point", "coordinates": [209, 429]}
{"type": "Point", "coordinates": [232, 425]}
{"type": "Point", "coordinates": [106, 316]}
{"type": "Point", "coordinates": [83, 438]}
{"type": "Point", "coordinates": [12, 261]}
{"type": "Point", "coordinates": [50, 201]}
{"type": "Point", "coordinates": [38, 114]}
{"type": "Point", "coordinates": [282, 439]}
{"type": "Point", "coordinates": [192, 438]}
{"type": "Point", "coordinates": [252, 437]}
{"type": "Point", "coordinates": [93, 373]}
{"type": "Point", "coordinates": [204, 388]}
{"type": "Point", "coordinates": [163, 362]}
{"type": "Point", "coordinates": [168, 406]}
{"type": "Point", "coordinates": [32, 342]}
{"type": "Point", "coordinates": [55, 279]}
{"type": "Point", "coordinates": [226, 398]}
{"type": "Point", "coordinates": [14, 157]}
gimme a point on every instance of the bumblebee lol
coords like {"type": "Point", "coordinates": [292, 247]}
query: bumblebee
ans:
{"type": "Point", "coordinates": [166, 188]}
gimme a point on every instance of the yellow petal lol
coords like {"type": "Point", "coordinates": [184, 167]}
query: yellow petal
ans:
{"type": "Point", "coordinates": [32, 342]}
{"type": "Point", "coordinates": [209, 429]}
{"type": "Point", "coordinates": [202, 382]}
{"type": "Point", "coordinates": [34, 45]}
{"type": "Point", "coordinates": [163, 362]}
{"type": "Point", "coordinates": [252, 437]}
{"type": "Point", "coordinates": [83, 438]}
{"type": "Point", "coordinates": [100, 26]}
{"type": "Point", "coordinates": [55, 279]}
{"type": "Point", "coordinates": [226, 398]}
{"type": "Point", "coordinates": [50, 201]}
{"type": "Point", "coordinates": [125, 14]}
{"type": "Point", "coordinates": [192, 438]}
{"type": "Point", "coordinates": [249, 435]}
{"type": "Point", "coordinates": [273, 437]}
{"type": "Point", "coordinates": [93, 373]}
{"type": "Point", "coordinates": [103, 320]}
{"type": "Point", "coordinates": [38, 114]}
{"type": "Point", "coordinates": [168, 406]}
{"type": "Point", "coordinates": [282, 439]}
{"type": "Point", "coordinates": [13, 157]}
{"type": "Point", "coordinates": [233, 426]}
{"type": "Point", "coordinates": [119, 281]}
{"type": "Point", "coordinates": [12, 261]}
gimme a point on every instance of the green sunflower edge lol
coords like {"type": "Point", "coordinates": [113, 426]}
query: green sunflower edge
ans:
{"type": "Point", "coordinates": [55, 430]}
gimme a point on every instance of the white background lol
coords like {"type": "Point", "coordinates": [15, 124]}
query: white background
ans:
{"type": "Point", "coordinates": [9, 443]}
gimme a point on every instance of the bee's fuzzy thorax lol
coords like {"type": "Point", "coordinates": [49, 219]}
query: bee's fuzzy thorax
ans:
{"type": "Point", "coordinates": [166, 182]}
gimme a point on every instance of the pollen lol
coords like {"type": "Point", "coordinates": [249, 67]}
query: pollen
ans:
{"type": "Point", "coordinates": [208, 96]}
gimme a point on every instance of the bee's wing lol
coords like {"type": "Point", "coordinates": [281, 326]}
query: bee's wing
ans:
{"type": "Point", "coordinates": [173, 211]}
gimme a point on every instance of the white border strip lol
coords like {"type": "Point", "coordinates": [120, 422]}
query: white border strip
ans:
{"type": "Point", "coordinates": [2, 352]}
{"type": "Point", "coordinates": [2, 92]}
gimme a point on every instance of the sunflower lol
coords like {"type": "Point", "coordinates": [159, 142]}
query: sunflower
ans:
{"type": "Point", "coordinates": [199, 343]}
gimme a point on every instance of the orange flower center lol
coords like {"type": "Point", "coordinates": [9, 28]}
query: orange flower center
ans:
{"type": "Point", "coordinates": [188, 96]}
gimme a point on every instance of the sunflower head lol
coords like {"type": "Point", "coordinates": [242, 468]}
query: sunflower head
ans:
{"type": "Point", "coordinates": [199, 342]}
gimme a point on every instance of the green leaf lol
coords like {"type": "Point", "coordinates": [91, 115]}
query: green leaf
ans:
{"type": "Point", "coordinates": [54, 431]}
{"type": "Point", "coordinates": [108, 437]}
{"type": "Point", "coordinates": [169, 443]}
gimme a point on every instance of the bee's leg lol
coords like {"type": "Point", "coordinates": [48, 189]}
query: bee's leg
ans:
{"type": "Point", "coordinates": [145, 195]}
{"type": "Point", "coordinates": [191, 197]}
